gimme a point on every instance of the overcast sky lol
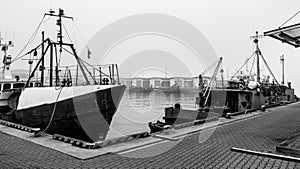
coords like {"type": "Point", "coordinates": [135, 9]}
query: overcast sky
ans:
{"type": "Point", "coordinates": [227, 24]}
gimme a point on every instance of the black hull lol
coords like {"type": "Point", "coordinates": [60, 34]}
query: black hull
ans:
{"type": "Point", "coordinates": [85, 117]}
{"type": "Point", "coordinates": [176, 116]}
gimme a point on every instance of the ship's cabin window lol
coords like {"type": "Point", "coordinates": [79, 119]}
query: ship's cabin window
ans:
{"type": "Point", "coordinates": [6, 86]}
{"type": "Point", "coordinates": [18, 85]}
{"type": "Point", "coordinates": [31, 84]}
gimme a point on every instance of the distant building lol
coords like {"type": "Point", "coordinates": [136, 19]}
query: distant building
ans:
{"type": "Point", "coordinates": [141, 82]}
{"type": "Point", "coordinates": [126, 81]}
{"type": "Point", "coordinates": [179, 81]}
{"type": "Point", "coordinates": [161, 82]}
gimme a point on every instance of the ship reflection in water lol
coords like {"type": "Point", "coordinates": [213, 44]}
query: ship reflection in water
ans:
{"type": "Point", "coordinates": [138, 108]}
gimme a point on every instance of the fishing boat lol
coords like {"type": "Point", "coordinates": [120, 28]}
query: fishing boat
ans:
{"type": "Point", "coordinates": [244, 93]}
{"type": "Point", "coordinates": [60, 104]}
{"type": "Point", "coordinates": [9, 84]}
{"type": "Point", "coordinates": [177, 115]}
{"type": "Point", "coordinates": [6, 80]}
{"type": "Point", "coordinates": [265, 92]}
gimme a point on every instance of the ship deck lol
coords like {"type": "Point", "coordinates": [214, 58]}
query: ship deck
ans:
{"type": "Point", "coordinates": [204, 146]}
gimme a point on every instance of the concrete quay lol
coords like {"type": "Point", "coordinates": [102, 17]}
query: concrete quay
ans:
{"type": "Point", "coordinates": [208, 147]}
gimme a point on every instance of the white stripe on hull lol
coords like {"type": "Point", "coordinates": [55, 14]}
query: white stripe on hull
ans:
{"type": "Point", "coordinates": [31, 97]}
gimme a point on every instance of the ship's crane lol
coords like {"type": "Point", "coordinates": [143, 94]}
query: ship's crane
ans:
{"type": "Point", "coordinates": [203, 96]}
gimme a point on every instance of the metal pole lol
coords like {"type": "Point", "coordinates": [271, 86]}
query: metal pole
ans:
{"type": "Point", "coordinates": [282, 62]}
{"type": "Point", "coordinates": [100, 75]}
{"type": "Point", "coordinates": [32, 74]}
{"type": "Point", "coordinates": [59, 23]}
{"type": "Point", "coordinates": [113, 73]}
{"type": "Point", "coordinates": [79, 64]}
{"type": "Point", "coordinates": [43, 60]}
{"type": "Point", "coordinates": [76, 80]}
{"type": "Point", "coordinates": [257, 58]}
{"type": "Point", "coordinates": [51, 65]}
{"type": "Point", "coordinates": [110, 73]}
{"type": "Point", "coordinates": [56, 68]}
{"type": "Point", "coordinates": [118, 74]}
{"type": "Point", "coordinates": [94, 73]}
{"type": "Point", "coordinates": [222, 78]}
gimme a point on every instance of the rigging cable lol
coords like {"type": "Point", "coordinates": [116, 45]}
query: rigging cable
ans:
{"type": "Point", "coordinates": [87, 63]}
{"type": "Point", "coordinates": [30, 39]}
{"type": "Point", "coordinates": [67, 33]}
{"type": "Point", "coordinates": [20, 57]}
{"type": "Point", "coordinates": [74, 23]}
{"type": "Point", "coordinates": [210, 67]}
{"type": "Point", "coordinates": [53, 111]}
{"type": "Point", "coordinates": [290, 19]}
{"type": "Point", "coordinates": [243, 64]}
{"type": "Point", "coordinates": [79, 59]}
{"type": "Point", "coordinates": [268, 67]}
{"type": "Point", "coordinates": [55, 105]}
{"type": "Point", "coordinates": [252, 66]}
{"type": "Point", "coordinates": [213, 80]}
{"type": "Point", "coordinates": [74, 35]}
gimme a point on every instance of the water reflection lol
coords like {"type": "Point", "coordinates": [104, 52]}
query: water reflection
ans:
{"type": "Point", "coordinates": [138, 108]}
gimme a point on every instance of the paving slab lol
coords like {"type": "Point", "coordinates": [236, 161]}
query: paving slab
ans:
{"type": "Point", "coordinates": [258, 133]}
{"type": "Point", "coordinates": [82, 153]}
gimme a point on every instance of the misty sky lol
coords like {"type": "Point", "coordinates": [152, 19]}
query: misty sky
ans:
{"type": "Point", "coordinates": [226, 24]}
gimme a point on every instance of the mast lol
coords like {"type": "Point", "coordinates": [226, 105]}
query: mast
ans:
{"type": "Point", "coordinates": [59, 24]}
{"type": "Point", "coordinates": [51, 45]}
{"type": "Point", "coordinates": [42, 67]}
{"type": "Point", "coordinates": [282, 62]}
{"type": "Point", "coordinates": [60, 15]}
{"type": "Point", "coordinates": [51, 66]}
{"type": "Point", "coordinates": [257, 58]}
{"type": "Point", "coordinates": [257, 53]}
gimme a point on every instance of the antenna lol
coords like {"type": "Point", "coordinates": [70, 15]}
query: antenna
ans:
{"type": "Point", "coordinates": [51, 11]}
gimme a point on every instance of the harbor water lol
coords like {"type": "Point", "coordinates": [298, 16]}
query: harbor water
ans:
{"type": "Point", "coordinates": [137, 109]}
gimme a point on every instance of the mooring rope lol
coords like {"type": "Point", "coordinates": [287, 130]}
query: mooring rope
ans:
{"type": "Point", "coordinates": [53, 111]}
